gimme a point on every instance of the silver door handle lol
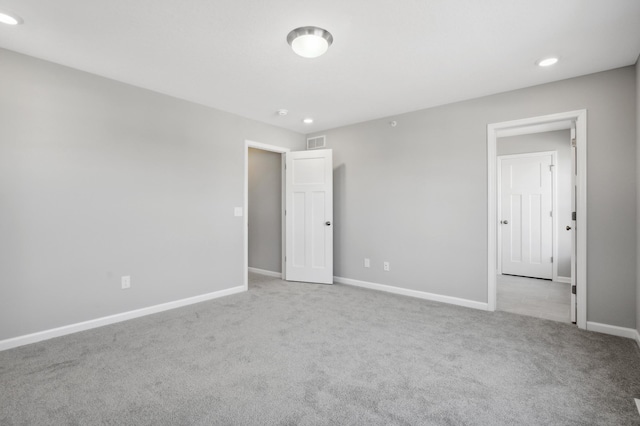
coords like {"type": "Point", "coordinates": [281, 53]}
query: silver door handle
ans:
{"type": "Point", "coordinates": [328, 223]}
{"type": "Point", "coordinates": [568, 228]}
{"type": "Point", "coordinates": [504, 222]}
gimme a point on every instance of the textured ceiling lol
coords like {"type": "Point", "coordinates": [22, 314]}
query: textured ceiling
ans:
{"type": "Point", "coordinates": [388, 57]}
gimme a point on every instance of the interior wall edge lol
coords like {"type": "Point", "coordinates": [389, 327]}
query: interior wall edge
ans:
{"type": "Point", "coordinates": [637, 81]}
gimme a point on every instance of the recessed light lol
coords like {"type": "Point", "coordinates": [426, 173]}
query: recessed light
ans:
{"type": "Point", "coordinates": [282, 112]}
{"type": "Point", "coordinates": [547, 62]}
{"type": "Point", "coordinates": [310, 42]}
{"type": "Point", "coordinates": [10, 18]}
{"type": "Point", "coordinates": [308, 121]}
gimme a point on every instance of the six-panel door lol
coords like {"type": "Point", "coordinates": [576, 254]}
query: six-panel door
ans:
{"type": "Point", "coordinates": [526, 223]}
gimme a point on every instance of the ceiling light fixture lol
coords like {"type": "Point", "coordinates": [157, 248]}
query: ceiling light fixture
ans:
{"type": "Point", "coordinates": [547, 62]}
{"type": "Point", "coordinates": [10, 18]}
{"type": "Point", "coordinates": [308, 121]}
{"type": "Point", "coordinates": [310, 42]}
{"type": "Point", "coordinates": [282, 112]}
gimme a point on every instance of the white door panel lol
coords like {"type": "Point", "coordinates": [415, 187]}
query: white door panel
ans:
{"type": "Point", "coordinates": [298, 229]}
{"type": "Point", "coordinates": [309, 216]}
{"type": "Point", "coordinates": [526, 187]}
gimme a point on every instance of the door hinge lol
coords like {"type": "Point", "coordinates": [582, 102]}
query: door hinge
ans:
{"type": "Point", "coordinates": [551, 213]}
{"type": "Point", "coordinates": [551, 259]}
{"type": "Point", "coordinates": [573, 142]}
{"type": "Point", "coordinates": [573, 289]}
{"type": "Point", "coordinates": [573, 215]}
{"type": "Point", "coordinates": [285, 258]}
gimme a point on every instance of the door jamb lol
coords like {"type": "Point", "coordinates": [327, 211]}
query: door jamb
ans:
{"type": "Point", "coordinates": [272, 148]}
{"type": "Point", "coordinates": [525, 126]}
{"type": "Point", "coordinates": [554, 206]}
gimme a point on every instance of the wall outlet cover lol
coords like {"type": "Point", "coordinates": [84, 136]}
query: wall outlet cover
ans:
{"type": "Point", "coordinates": [126, 282]}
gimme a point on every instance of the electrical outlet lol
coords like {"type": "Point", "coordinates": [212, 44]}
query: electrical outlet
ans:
{"type": "Point", "coordinates": [386, 266]}
{"type": "Point", "coordinates": [367, 262]}
{"type": "Point", "coordinates": [126, 281]}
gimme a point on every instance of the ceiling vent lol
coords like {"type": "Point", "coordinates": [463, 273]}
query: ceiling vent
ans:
{"type": "Point", "coordinates": [317, 142]}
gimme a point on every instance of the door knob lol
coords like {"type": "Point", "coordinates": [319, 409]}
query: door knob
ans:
{"type": "Point", "coordinates": [504, 222]}
{"type": "Point", "coordinates": [568, 228]}
{"type": "Point", "coordinates": [328, 223]}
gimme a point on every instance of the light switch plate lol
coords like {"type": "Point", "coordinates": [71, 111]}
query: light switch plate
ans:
{"type": "Point", "coordinates": [237, 212]}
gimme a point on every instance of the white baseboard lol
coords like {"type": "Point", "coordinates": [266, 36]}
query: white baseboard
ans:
{"type": "Point", "coordinates": [638, 337]}
{"type": "Point", "coordinates": [414, 293]}
{"type": "Point", "coordinates": [112, 319]}
{"type": "Point", "coordinates": [265, 272]}
{"type": "Point", "coordinates": [614, 330]}
{"type": "Point", "coordinates": [566, 280]}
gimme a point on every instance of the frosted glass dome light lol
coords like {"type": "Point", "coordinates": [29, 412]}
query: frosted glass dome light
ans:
{"type": "Point", "coordinates": [310, 42]}
{"type": "Point", "coordinates": [10, 18]}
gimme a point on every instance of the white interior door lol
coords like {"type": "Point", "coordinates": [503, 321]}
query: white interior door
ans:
{"type": "Point", "coordinates": [309, 216]}
{"type": "Point", "coordinates": [572, 228]}
{"type": "Point", "coordinates": [526, 204]}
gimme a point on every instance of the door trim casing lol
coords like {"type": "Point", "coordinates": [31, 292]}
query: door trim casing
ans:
{"type": "Point", "coordinates": [535, 125]}
{"type": "Point", "coordinates": [554, 206]}
{"type": "Point", "coordinates": [265, 147]}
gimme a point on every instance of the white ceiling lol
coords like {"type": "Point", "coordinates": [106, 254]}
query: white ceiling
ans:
{"type": "Point", "coordinates": [388, 57]}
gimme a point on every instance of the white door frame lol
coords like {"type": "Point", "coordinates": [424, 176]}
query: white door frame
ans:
{"type": "Point", "coordinates": [554, 205]}
{"type": "Point", "coordinates": [272, 148]}
{"type": "Point", "coordinates": [535, 125]}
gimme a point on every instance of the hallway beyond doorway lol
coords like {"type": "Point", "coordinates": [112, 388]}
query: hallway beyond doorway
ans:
{"type": "Point", "coordinates": [534, 297]}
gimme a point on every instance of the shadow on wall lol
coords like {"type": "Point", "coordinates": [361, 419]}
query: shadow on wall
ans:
{"type": "Point", "coordinates": [339, 210]}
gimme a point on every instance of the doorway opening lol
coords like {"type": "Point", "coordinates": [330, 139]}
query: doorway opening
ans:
{"type": "Point", "coordinates": [269, 162]}
{"type": "Point", "coordinates": [535, 246]}
{"type": "Point", "coordinates": [306, 214]}
{"type": "Point", "coordinates": [534, 204]}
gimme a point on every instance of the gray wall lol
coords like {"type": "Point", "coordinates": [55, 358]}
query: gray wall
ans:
{"type": "Point", "coordinates": [99, 179]}
{"type": "Point", "coordinates": [638, 188]}
{"type": "Point", "coordinates": [559, 141]}
{"type": "Point", "coordinates": [416, 194]}
{"type": "Point", "coordinates": [265, 210]}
